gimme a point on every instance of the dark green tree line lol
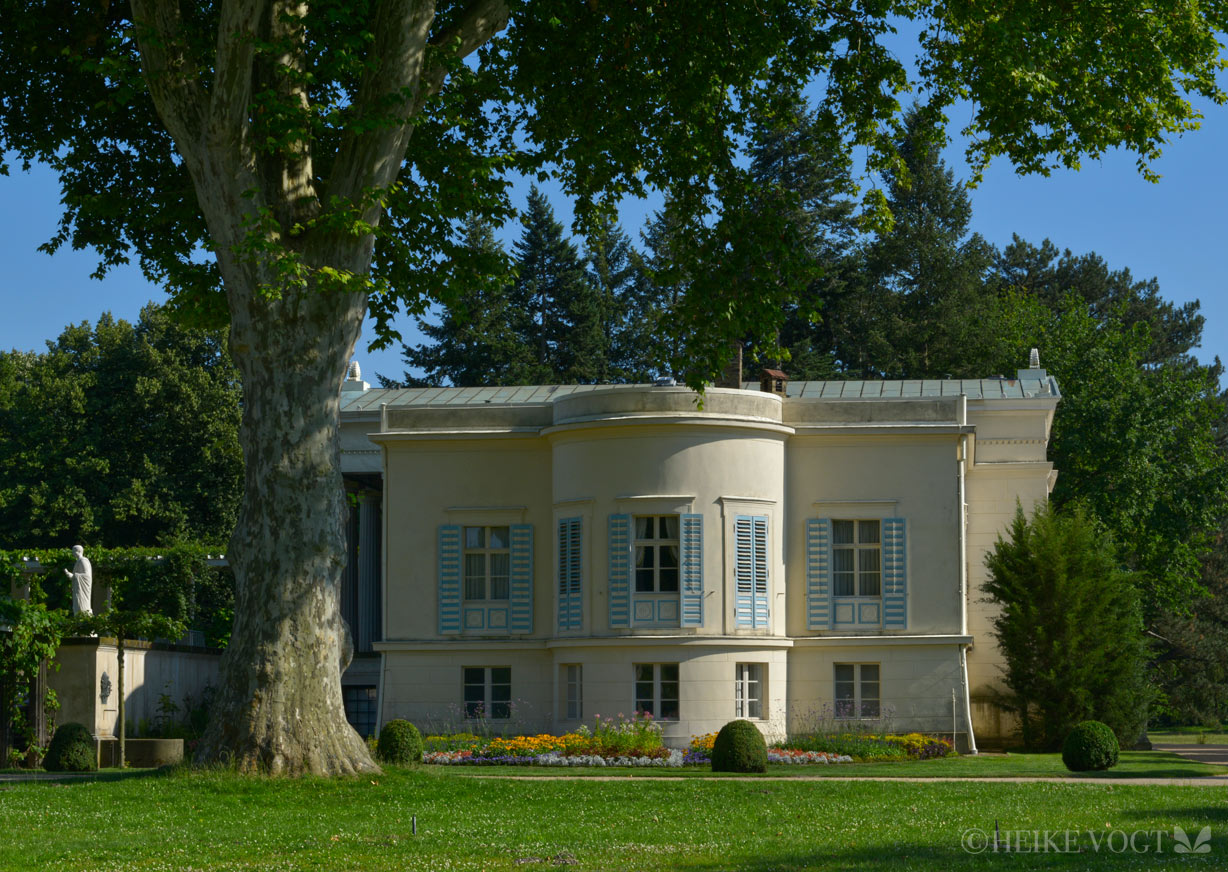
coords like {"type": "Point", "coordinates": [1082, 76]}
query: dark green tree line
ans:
{"type": "Point", "coordinates": [120, 434]}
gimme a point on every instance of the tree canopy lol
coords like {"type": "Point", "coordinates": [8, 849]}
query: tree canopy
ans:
{"type": "Point", "coordinates": [120, 434]}
{"type": "Point", "coordinates": [326, 154]}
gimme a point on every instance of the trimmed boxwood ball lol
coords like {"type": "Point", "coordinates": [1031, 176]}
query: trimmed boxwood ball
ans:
{"type": "Point", "coordinates": [739, 747]}
{"type": "Point", "coordinates": [399, 743]}
{"type": "Point", "coordinates": [1090, 747]}
{"type": "Point", "coordinates": [71, 750]}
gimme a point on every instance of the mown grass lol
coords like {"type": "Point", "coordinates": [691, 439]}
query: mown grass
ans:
{"type": "Point", "coordinates": [1188, 736]}
{"type": "Point", "coordinates": [1134, 764]}
{"type": "Point", "coordinates": [190, 820]}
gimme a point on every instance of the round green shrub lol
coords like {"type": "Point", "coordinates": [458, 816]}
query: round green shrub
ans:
{"type": "Point", "coordinates": [71, 750]}
{"type": "Point", "coordinates": [1090, 747]}
{"type": "Point", "coordinates": [739, 747]}
{"type": "Point", "coordinates": [399, 743]}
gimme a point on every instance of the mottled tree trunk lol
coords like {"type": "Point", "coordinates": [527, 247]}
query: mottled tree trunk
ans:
{"type": "Point", "coordinates": [278, 708]}
{"type": "Point", "coordinates": [296, 295]}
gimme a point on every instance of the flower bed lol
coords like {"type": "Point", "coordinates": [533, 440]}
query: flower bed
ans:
{"type": "Point", "coordinates": [671, 758]}
{"type": "Point", "coordinates": [863, 747]}
{"type": "Point", "coordinates": [610, 742]}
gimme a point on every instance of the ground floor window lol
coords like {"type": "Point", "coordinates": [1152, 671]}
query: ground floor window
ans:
{"type": "Point", "coordinates": [857, 690]}
{"type": "Point", "coordinates": [748, 684]}
{"type": "Point", "coordinates": [571, 676]}
{"type": "Point", "coordinates": [488, 692]}
{"type": "Point", "coordinates": [656, 690]}
{"type": "Point", "coordinates": [359, 702]}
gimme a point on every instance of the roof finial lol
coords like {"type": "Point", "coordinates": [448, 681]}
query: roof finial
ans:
{"type": "Point", "coordinates": [1033, 359]}
{"type": "Point", "coordinates": [353, 379]}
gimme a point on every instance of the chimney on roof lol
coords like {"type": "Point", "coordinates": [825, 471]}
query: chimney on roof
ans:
{"type": "Point", "coordinates": [773, 381]}
{"type": "Point", "coordinates": [732, 376]}
{"type": "Point", "coordinates": [353, 379]}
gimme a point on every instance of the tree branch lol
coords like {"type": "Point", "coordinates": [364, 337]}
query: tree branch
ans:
{"type": "Point", "coordinates": [372, 159]}
{"type": "Point", "coordinates": [370, 155]}
{"type": "Point", "coordinates": [171, 74]}
{"type": "Point", "coordinates": [480, 21]}
{"type": "Point", "coordinates": [231, 99]}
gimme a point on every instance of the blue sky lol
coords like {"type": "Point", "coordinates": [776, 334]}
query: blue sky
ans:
{"type": "Point", "coordinates": [1176, 231]}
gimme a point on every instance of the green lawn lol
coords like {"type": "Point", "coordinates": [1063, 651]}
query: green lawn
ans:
{"type": "Point", "coordinates": [1134, 764]}
{"type": "Point", "coordinates": [1189, 736]}
{"type": "Point", "coordinates": [209, 820]}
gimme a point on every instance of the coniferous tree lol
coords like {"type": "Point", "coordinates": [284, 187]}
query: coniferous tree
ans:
{"type": "Point", "coordinates": [611, 267]}
{"type": "Point", "coordinates": [645, 346]}
{"type": "Point", "coordinates": [475, 342]}
{"type": "Point", "coordinates": [1051, 275]}
{"type": "Point", "coordinates": [1192, 671]}
{"type": "Point", "coordinates": [798, 169]}
{"type": "Point", "coordinates": [914, 313]}
{"type": "Point", "coordinates": [555, 310]}
{"type": "Point", "coordinates": [1070, 628]}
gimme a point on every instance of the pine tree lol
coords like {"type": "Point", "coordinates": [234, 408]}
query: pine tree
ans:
{"type": "Point", "coordinates": [799, 171]}
{"type": "Point", "coordinates": [1070, 628]}
{"type": "Point", "coordinates": [555, 310]}
{"type": "Point", "coordinates": [1051, 275]}
{"type": "Point", "coordinates": [646, 344]}
{"type": "Point", "coordinates": [611, 268]}
{"type": "Point", "coordinates": [915, 316]}
{"type": "Point", "coordinates": [474, 343]}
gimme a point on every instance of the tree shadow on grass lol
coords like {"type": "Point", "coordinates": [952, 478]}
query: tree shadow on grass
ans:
{"type": "Point", "coordinates": [904, 856]}
{"type": "Point", "coordinates": [100, 775]}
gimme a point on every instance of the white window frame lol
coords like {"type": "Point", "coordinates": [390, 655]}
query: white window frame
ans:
{"type": "Point", "coordinates": [858, 709]}
{"type": "Point", "coordinates": [491, 709]}
{"type": "Point", "coordinates": [571, 678]}
{"type": "Point", "coordinates": [858, 549]}
{"type": "Point", "coordinates": [749, 690]}
{"type": "Point", "coordinates": [661, 676]}
{"type": "Point", "coordinates": [656, 543]}
{"type": "Point", "coordinates": [486, 552]}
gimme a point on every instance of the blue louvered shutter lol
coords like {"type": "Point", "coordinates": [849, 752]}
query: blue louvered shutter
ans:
{"type": "Point", "coordinates": [449, 578]}
{"type": "Point", "coordinates": [895, 575]}
{"type": "Point", "coordinates": [620, 571]}
{"type": "Point", "coordinates": [759, 535]}
{"type": "Point", "coordinates": [521, 581]}
{"type": "Point", "coordinates": [570, 609]}
{"type": "Point", "coordinates": [692, 547]}
{"type": "Point", "coordinates": [818, 574]}
{"type": "Point", "coordinates": [750, 604]}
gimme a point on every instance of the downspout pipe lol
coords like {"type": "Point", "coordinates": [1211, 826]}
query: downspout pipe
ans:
{"type": "Point", "coordinates": [961, 467]}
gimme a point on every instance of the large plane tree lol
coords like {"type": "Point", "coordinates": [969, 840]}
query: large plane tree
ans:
{"type": "Point", "coordinates": [286, 166]}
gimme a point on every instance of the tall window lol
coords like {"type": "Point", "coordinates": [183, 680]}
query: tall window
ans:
{"type": "Point", "coordinates": [656, 690]}
{"type": "Point", "coordinates": [856, 558]}
{"type": "Point", "coordinates": [488, 692]}
{"type": "Point", "coordinates": [359, 702]}
{"type": "Point", "coordinates": [656, 553]}
{"type": "Point", "coordinates": [748, 690]}
{"type": "Point", "coordinates": [572, 678]}
{"type": "Point", "coordinates": [857, 690]}
{"type": "Point", "coordinates": [487, 563]}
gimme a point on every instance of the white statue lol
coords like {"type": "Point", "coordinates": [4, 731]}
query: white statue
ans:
{"type": "Point", "coordinates": [82, 576]}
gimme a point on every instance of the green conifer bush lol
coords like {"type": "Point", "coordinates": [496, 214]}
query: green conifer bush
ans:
{"type": "Point", "coordinates": [1090, 747]}
{"type": "Point", "coordinates": [71, 750]}
{"type": "Point", "coordinates": [400, 743]}
{"type": "Point", "coordinates": [739, 747]}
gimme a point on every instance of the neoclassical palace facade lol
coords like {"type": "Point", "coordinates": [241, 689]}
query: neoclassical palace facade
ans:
{"type": "Point", "coordinates": [781, 552]}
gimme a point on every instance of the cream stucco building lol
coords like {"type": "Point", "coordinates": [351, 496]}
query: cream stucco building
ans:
{"type": "Point", "coordinates": [553, 553]}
